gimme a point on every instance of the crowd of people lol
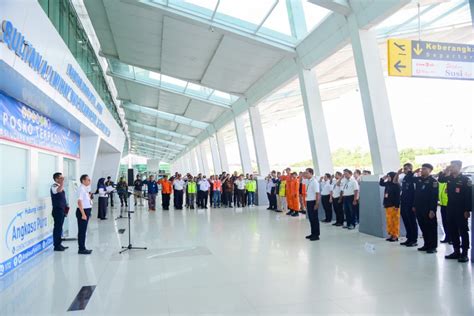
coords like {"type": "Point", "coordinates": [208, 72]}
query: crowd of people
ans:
{"type": "Point", "coordinates": [413, 194]}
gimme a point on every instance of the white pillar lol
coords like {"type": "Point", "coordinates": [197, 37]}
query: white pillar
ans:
{"type": "Point", "coordinates": [107, 164]}
{"type": "Point", "coordinates": [200, 163]}
{"type": "Point", "coordinates": [205, 163]}
{"type": "Point", "coordinates": [89, 150]}
{"type": "Point", "coordinates": [259, 141]}
{"type": "Point", "coordinates": [315, 122]}
{"type": "Point", "coordinates": [192, 158]}
{"type": "Point", "coordinates": [378, 118]}
{"type": "Point", "coordinates": [222, 152]}
{"type": "Point", "coordinates": [215, 155]}
{"type": "Point", "coordinates": [243, 144]}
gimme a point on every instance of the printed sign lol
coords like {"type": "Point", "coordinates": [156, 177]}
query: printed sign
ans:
{"type": "Point", "coordinates": [22, 124]}
{"type": "Point", "coordinates": [407, 58]}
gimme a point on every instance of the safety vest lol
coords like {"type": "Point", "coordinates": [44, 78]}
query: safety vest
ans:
{"type": "Point", "coordinates": [217, 185]}
{"type": "Point", "coordinates": [251, 186]}
{"type": "Point", "coordinates": [282, 191]}
{"type": "Point", "coordinates": [443, 194]}
{"type": "Point", "coordinates": [192, 187]}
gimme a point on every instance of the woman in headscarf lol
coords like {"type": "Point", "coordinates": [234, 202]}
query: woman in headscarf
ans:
{"type": "Point", "coordinates": [103, 197]}
{"type": "Point", "coordinates": [391, 202]}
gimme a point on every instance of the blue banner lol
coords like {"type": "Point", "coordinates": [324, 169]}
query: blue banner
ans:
{"type": "Point", "coordinates": [20, 123]}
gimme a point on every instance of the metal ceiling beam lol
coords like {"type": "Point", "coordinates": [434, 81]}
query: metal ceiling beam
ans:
{"type": "Point", "coordinates": [157, 146]}
{"type": "Point", "coordinates": [157, 140]}
{"type": "Point", "coordinates": [152, 150]}
{"type": "Point", "coordinates": [159, 130]}
{"type": "Point", "coordinates": [161, 88]}
{"type": "Point", "coordinates": [221, 26]}
{"type": "Point", "coordinates": [337, 6]}
{"type": "Point", "coordinates": [164, 115]}
{"type": "Point", "coordinates": [151, 147]}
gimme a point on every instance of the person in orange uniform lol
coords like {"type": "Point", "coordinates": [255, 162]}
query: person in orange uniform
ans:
{"type": "Point", "coordinates": [166, 188]}
{"type": "Point", "coordinates": [292, 194]}
{"type": "Point", "coordinates": [302, 193]}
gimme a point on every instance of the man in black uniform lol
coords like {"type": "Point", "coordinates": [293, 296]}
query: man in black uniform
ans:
{"type": "Point", "coordinates": [58, 199]}
{"type": "Point", "coordinates": [425, 205]}
{"type": "Point", "coordinates": [110, 183]}
{"type": "Point", "coordinates": [406, 205]}
{"type": "Point", "coordinates": [459, 208]}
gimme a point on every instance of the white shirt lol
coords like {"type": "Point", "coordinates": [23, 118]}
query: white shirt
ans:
{"type": "Point", "coordinates": [312, 187]}
{"type": "Point", "coordinates": [240, 184]}
{"type": "Point", "coordinates": [83, 195]}
{"type": "Point", "coordinates": [54, 188]}
{"type": "Point", "coordinates": [178, 184]}
{"type": "Point", "coordinates": [204, 185]}
{"type": "Point", "coordinates": [350, 186]}
{"type": "Point", "coordinates": [326, 187]}
{"type": "Point", "coordinates": [336, 189]}
{"type": "Point", "coordinates": [270, 185]}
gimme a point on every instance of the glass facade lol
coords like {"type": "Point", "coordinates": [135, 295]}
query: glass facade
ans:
{"type": "Point", "coordinates": [64, 18]}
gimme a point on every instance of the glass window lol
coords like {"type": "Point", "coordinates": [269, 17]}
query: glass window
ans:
{"type": "Point", "coordinates": [46, 169]}
{"type": "Point", "coordinates": [14, 167]}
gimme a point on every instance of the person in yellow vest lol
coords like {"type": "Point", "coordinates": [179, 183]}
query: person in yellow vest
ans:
{"type": "Point", "coordinates": [251, 187]}
{"type": "Point", "coordinates": [281, 194]}
{"type": "Point", "coordinates": [191, 191]}
{"type": "Point", "coordinates": [443, 203]}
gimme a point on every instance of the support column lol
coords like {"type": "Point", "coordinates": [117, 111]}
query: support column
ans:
{"type": "Point", "coordinates": [107, 164]}
{"type": "Point", "coordinates": [259, 141]}
{"type": "Point", "coordinates": [378, 118]}
{"type": "Point", "coordinates": [243, 144]}
{"type": "Point", "coordinates": [215, 155]}
{"type": "Point", "coordinates": [89, 149]}
{"type": "Point", "coordinates": [192, 158]}
{"type": "Point", "coordinates": [200, 160]}
{"type": "Point", "coordinates": [315, 122]}
{"type": "Point", "coordinates": [222, 152]}
{"type": "Point", "coordinates": [205, 163]}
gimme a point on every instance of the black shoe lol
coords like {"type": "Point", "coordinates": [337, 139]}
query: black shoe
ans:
{"type": "Point", "coordinates": [388, 239]}
{"type": "Point", "coordinates": [338, 225]}
{"type": "Point", "coordinates": [309, 236]}
{"type": "Point", "coordinates": [422, 248]}
{"type": "Point", "coordinates": [295, 214]}
{"type": "Point", "coordinates": [351, 227]}
{"type": "Point", "coordinates": [314, 238]}
{"type": "Point", "coordinates": [84, 252]}
{"type": "Point", "coordinates": [412, 244]}
{"type": "Point", "coordinates": [444, 241]}
{"type": "Point", "coordinates": [393, 239]}
{"type": "Point", "coordinates": [455, 255]}
{"type": "Point", "coordinates": [404, 243]}
{"type": "Point", "coordinates": [432, 250]}
{"type": "Point", "coordinates": [278, 211]}
{"type": "Point", "coordinates": [463, 258]}
{"type": "Point", "coordinates": [289, 213]}
{"type": "Point", "coordinates": [64, 247]}
{"type": "Point", "coordinates": [268, 208]}
{"type": "Point", "coordinates": [59, 248]}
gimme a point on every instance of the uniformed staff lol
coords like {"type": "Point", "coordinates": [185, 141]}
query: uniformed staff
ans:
{"type": "Point", "coordinates": [459, 208]}
{"type": "Point", "coordinates": [58, 199]}
{"type": "Point", "coordinates": [83, 213]}
{"type": "Point", "coordinates": [425, 205]}
{"type": "Point", "coordinates": [406, 205]}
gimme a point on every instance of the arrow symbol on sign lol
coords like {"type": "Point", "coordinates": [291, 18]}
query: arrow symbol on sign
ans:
{"type": "Point", "coordinates": [398, 66]}
{"type": "Point", "coordinates": [401, 46]}
{"type": "Point", "coordinates": [418, 50]}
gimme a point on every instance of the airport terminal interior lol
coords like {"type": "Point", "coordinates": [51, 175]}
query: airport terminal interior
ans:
{"type": "Point", "coordinates": [236, 157]}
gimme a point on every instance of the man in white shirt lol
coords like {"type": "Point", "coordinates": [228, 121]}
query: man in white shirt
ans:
{"type": "Point", "coordinates": [326, 188]}
{"type": "Point", "coordinates": [312, 203]}
{"type": "Point", "coordinates": [204, 186]}
{"type": "Point", "coordinates": [83, 213]}
{"type": "Point", "coordinates": [350, 194]}
{"type": "Point", "coordinates": [178, 187]}
{"type": "Point", "coordinates": [240, 183]}
{"type": "Point", "coordinates": [336, 199]}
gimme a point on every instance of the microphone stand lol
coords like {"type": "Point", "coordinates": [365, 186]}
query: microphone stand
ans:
{"type": "Point", "coordinates": [129, 247]}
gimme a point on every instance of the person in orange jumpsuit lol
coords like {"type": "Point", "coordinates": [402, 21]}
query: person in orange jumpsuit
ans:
{"type": "Point", "coordinates": [292, 194]}
{"type": "Point", "coordinates": [166, 188]}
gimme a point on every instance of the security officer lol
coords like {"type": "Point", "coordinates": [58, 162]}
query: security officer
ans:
{"type": "Point", "coordinates": [458, 209]}
{"type": "Point", "coordinates": [406, 205]}
{"type": "Point", "coordinates": [58, 199]}
{"type": "Point", "coordinates": [425, 205]}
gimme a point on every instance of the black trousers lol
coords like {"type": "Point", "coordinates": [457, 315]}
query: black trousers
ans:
{"type": "Point", "coordinates": [111, 196]}
{"type": "Point", "coordinates": [165, 201]}
{"type": "Point", "coordinates": [338, 211]}
{"type": "Point", "coordinates": [58, 216]}
{"type": "Point", "coordinates": [204, 198]}
{"type": "Point", "coordinates": [409, 220]}
{"type": "Point", "coordinates": [178, 202]}
{"type": "Point", "coordinates": [82, 227]}
{"type": "Point", "coordinates": [313, 218]}
{"type": "Point", "coordinates": [444, 220]}
{"type": "Point", "coordinates": [272, 200]}
{"type": "Point", "coordinates": [102, 210]}
{"type": "Point", "coordinates": [327, 207]}
{"type": "Point", "coordinates": [240, 198]}
{"type": "Point", "coordinates": [458, 229]}
{"type": "Point", "coordinates": [123, 198]}
{"type": "Point", "coordinates": [429, 228]}
{"type": "Point", "coordinates": [228, 198]}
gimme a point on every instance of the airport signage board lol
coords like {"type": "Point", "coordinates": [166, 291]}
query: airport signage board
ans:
{"type": "Point", "coordinates": [21, 124]}
{"type": "Point", "coordinates": [425, 59]}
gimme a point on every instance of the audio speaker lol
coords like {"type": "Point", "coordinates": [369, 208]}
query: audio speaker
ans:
{"type": "Point", "coordinates": [130, 177]}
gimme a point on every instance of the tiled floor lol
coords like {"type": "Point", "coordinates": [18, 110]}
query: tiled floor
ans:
{"type": "Point", "coordinates": [239, 262]}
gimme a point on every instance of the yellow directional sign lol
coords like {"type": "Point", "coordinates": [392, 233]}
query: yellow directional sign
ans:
{"type": "Point", "coordinates": [399, 57]}
{"type": "Point", "coordinates": [407, 58]}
